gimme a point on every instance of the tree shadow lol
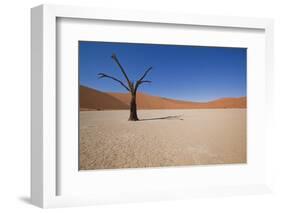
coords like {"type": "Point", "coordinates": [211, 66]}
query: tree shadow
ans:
{"type": "Point", "coordinates": [171, 117]}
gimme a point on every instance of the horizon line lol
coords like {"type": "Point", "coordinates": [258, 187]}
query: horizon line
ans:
{"type": "Point", "coordinates": [168, 97]}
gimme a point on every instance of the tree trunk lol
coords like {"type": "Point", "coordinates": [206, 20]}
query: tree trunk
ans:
{"type": "Point", "coordinates": [133, 109]}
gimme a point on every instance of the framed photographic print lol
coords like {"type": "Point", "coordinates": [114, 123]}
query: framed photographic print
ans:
{"type": "Point", "coordinates": [132, 106]}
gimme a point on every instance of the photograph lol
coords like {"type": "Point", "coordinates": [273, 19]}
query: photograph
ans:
{"type": "Point", "coordinates": [161, 105]}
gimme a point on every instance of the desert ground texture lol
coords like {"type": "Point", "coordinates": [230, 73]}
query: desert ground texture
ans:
{"type": "Point", "coordinates": [162, 138]}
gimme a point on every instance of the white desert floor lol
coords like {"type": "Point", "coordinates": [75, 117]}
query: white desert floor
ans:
{"type": "Point", "coordinates": [162, 138]}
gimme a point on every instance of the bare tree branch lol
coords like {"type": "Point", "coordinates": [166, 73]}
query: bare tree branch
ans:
{"type": "Point", "coordinates": [103, 75]}
{"type": "Point", "coordinates": [146, 81]}
{"type": "Point", "coordinates": [145, 73]}
{"type": "Point", "coordinates": [114, 57]}
{"type": "Point", "coordinates": [141, 81]}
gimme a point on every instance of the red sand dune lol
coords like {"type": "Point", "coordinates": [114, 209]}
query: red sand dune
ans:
{"type": "Point", "coordinates": [91, 99]}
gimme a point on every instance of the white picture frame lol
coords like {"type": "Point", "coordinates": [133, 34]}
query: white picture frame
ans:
{"type": "Point", "coordinates": [44, 154]}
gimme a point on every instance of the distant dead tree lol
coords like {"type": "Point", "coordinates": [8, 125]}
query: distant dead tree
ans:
{"type": "Point", "coordinates": [130, 86]}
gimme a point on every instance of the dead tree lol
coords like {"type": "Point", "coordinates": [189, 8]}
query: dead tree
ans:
{"type": "Point", "coordinates": [130, 86]}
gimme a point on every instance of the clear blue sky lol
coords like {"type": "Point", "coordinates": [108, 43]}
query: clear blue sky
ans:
{"type": "Point", "coordinates": [180, 72]}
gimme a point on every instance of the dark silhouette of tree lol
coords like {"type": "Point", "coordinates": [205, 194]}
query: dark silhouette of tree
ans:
{"type": "Point", "coordinates": [130, 86]}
